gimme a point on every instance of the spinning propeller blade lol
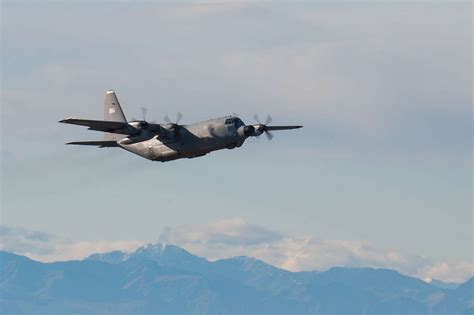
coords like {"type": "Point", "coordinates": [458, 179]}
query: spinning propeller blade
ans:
{"type": "Point", "coordinates": [179, 116]}
{"type": "Point", "coordinates": [264, 127]}
{"type": "Point", "coordinates": [144, 111]}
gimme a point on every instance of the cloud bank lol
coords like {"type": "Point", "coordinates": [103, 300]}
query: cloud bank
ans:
{"type": "Point", "coordinates": [47, 247]}
{"type": "Point", "coordinates": [236, 237]}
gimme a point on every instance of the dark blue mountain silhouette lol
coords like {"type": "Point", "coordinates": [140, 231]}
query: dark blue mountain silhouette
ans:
{"type": "Point", "coordinates": [158, 279]}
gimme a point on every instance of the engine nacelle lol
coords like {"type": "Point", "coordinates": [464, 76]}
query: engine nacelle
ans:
{"type": "Point", "coordinates": [139, 124]}
{"type": "Point", "coordinates": [246, 131]}
{"type": "Point", "coordinates": [170, 131]}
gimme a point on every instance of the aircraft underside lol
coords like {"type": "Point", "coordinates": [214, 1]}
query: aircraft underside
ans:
{"type": "Point", "coordinates": [157, 150]}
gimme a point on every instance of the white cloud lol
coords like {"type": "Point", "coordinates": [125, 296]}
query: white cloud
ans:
{"type": "Point", "coordinates": [235, 237]}
{"type": "Point", "coordinates": [230, 232]}
{"type": "Point", "coordinates": [449, 271]}
{"type": "Point", "coordinates": [46, 247]}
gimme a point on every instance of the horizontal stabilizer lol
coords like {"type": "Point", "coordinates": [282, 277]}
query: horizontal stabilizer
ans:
{"type": "Point", "coordinates": [100, 144]}
{"type": "Point", "coordinates": [102, 125]}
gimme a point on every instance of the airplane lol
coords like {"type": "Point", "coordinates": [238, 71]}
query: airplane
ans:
{"type": "Point", "coordinates": [171, 140]}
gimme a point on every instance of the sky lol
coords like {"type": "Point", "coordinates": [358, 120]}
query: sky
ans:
{"type": "Point", "coordinates": [380, 175]}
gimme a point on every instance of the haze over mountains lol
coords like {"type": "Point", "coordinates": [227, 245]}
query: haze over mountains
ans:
{"type": "Point", "coordinates": [158, 279]}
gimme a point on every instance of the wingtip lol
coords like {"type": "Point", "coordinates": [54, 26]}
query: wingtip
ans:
{"type": "Point", "coordinates": [65, 120]}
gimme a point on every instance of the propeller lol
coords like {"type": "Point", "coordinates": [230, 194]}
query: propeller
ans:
{"type": "Point", "coordinates": [144, 111]}
{"type": "Point", "coordinates": [143, 122]}
{"type": "Point", "coordinates": [267, 121]}
{"type": "Point", "coordinates": [263, 127]}
{"type": "Point", "coordinates": [179, 116]}
{"type": "Point", "coordinates": [174, 125]}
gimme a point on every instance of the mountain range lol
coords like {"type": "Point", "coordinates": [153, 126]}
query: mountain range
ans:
{"type": "Point", "coordinates": [166, 279]}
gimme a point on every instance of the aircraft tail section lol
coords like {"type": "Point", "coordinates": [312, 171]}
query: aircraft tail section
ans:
{"type": "Point", "coordinates": [112, 109]}
{"type": "Point", "coordinates": [113, 112]}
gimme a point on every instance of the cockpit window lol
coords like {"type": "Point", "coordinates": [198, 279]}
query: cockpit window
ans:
{"type": "Point", "coordinates": [234, 121]}
{"type": "Point", "coordinates": [238, 122]}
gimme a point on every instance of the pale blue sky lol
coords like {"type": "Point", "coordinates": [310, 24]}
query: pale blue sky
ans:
{"type": "Point", "coordinates": [384, 92]}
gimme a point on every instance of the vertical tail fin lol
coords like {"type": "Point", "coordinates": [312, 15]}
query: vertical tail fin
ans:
{"type": "Point", "coordinates": [113, 112]}
{"type": "Point", "coordinates": [112, 109]}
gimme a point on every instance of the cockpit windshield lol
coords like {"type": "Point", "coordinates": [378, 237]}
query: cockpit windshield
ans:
{"type": "Point", "coordinates": [237, 122]}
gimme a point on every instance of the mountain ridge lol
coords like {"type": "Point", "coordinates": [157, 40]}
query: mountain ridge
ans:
{"type": "Point", "coordinates": [167, 279]}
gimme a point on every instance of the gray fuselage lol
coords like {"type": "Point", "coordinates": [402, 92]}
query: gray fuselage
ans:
{"type": "Point", "coordinates": [188, 141]}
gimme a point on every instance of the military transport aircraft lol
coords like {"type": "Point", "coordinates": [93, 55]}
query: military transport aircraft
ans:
{"type": "Point", "coordinates": [170, 141]}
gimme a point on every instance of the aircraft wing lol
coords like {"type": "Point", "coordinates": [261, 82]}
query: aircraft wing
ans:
{"type": "Point", "coordinates": [100, 144]}
{"type": "Point", "coordinates": [272, 128]}
{"type": "Point", "coordinates": [102, 125]}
